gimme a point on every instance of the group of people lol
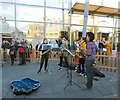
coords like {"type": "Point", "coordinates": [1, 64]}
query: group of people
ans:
{"type": "Point", "coordinates": [20, 46]}
{"type": "Point", "coordinates": [86, 52]}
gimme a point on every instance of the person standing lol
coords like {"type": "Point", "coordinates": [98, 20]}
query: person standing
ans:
{"type": "Point", "coordinates": [64, 53]}
{"type": "Point", "coordinates": [12, 52]}
{"type": "Point", "coordinates": [21, 53]}
{"type": "Point", "coordinates": [91, 49]}
{"type": "Point", "coordinates": [45, 56]}
{"type": "Point", "coordinates": [82, 57]}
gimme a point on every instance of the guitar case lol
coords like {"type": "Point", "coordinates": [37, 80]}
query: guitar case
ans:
{"type": "Point", "coordinates": [24, 86]}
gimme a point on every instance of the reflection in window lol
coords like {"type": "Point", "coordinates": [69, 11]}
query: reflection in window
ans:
{"type": "Point", "coordinates": [29, 13]}
{"type": "Point", "coordinates": [7, 11]}
{"type": "Point", "coordinates": [32, 2]}
{"type": "Point", "coordinates": [77, 19]}
{"type": "Point", "coordinates": [7, 27]}
{"type": "Point", "coordinates": [66, 17]}
{"type": "Point", "coordinates": [54, 15]}
{"type": "Point", "coordinates": [31, 29]}
{"type": "Point", "coordinates": [53, 30]}
{"type": "Point", "coordinates": [54, 3]}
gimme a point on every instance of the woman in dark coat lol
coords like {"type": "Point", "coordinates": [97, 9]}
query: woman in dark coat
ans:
{"type": "Point", "coordinates": [45, 56]}
{"type": "Point", "coordinates": [12, 53]}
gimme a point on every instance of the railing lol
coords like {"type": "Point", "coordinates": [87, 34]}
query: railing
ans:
{"type": "Point", "coordinates": [103, 61]}
{"type": "Point", "coordinates": [107, 62]}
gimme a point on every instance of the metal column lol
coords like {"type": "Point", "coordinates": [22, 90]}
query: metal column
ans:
{"type": "Point", "coordinates": [44, 19]}
{"type": "Point", "coordinates": [16, 33]}
{"type": "Point", "coordinates": [63, 28]}
{"type": "Point", "coordinates": [85, 18]}
{"type": "Point", "coordinates": [70, 30]}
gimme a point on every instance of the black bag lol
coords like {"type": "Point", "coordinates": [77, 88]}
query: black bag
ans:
{"type": "Point", "coordinates": [96, 72]}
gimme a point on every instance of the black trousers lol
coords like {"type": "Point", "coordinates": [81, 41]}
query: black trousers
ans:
{"type": "Point", "coordinates": [61, 60]}
{"type": "Point", "coordinates": [12, 59]}
{"type": "Point", "coordinates": [81, 62]}
{"type": "Point", "coordinates": [89, 72]}
{"type": "Point", "coordinates": [44, 58]}
{"type": "Point", "coordinates": [22, 58]}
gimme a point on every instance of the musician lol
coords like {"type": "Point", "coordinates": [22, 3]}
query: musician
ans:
{"type": "Point", "coordinates": [45, 56]}
{"type": "Point", "coordinates": [91, 49]}
{"type": "Point", "coordinates": [63, 53]}
{"type": "Point", "coordinates": [82, 57]}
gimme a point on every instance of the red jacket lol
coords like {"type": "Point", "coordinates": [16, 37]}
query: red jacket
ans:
{"type": "Point", "coordinates": [21, 49]}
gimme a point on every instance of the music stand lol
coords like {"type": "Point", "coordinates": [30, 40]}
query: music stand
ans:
{"type": "Point", "coordinates": [71, 82]}
{"type": "Point", "coordinates": [46, 47]}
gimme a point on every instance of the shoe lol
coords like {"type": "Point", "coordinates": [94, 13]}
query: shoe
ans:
{"type": "Point", "coordinates": [85, 87]}
{"type": "Point", "coordinates": [60, 65]}
{"type": "Point", "coordinates": [38, 71]}
{"type": "Point", "coordinates": [60, 68]}
{"type": "Point", "coordinates": [85, 75]}
{"type": "Point", "coordinates": [80, 74]}
{"type": "Point", "coordinates": [47, 70]}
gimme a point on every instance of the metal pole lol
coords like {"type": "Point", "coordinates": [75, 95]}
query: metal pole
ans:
{"type": "Point", "coordinates": [113, 35]}
{"type": "Point", "coordinates": [63, 28]}
{"type": "Point", "coordinates": [70, 23]}
{"type": "Point", "coordinates": [44, 19]}
{"type": "Point", "coordinates": [85, 18]}
{"type": "Point", "coordinates": [16, 33]}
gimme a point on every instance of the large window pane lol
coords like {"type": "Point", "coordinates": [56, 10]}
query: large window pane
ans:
{"type": "Point", "coordinates": [54, 15]}
{"type": "Point", "coordinates": [7, 1]}
{"type": "Point", "coordinates": [32, 31]}
{"type": "Point", "coordinates": [53, 30]}
{"type": "Point", "coordinates": [29, 13]}
{"type": "Point", "coordinates": [66, 17]}
{"type": "Point", "coordinates": [31, 2]}
{"type": "Point", "coordinates": [103, 21]}
{"type": "Point", "coordinates": [7, 11]}
{"type": "Point", "coordinates": [66, 3]}
{"type": "Point", "coordinates": [54, 3]}
{"type": "Point", "coordinates": [7, 26]}
{"type": "Point", "coordinates": [77, 19]}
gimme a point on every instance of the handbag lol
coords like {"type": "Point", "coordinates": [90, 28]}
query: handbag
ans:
{"type": "Point", "coordinates": [11, 52]}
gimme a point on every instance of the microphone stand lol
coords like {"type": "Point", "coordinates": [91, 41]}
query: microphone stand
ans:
{"type": "Point", "coordinates": [71, 82]}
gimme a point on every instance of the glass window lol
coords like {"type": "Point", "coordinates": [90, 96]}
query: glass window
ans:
{"type": "Point", "coordinates": [34, 40]}
{"type": "Point", "coordinates": [77, 19]}
{"type": "Point", "coordinates": [29, 13]}
{"type": "Point", "coordinates": [66, 3]}
{"type": "Point", "coordinates": [31, 2]}
{"type": "Point", "coordinates": [7, 26]}
{"type": "Point", "coordinates": [31, 29]}
{"type": "Point", "coordinates": [54, 3]}
{"type": "Point", "coordinates": [103, 21]}
{"type": "Point", "coordinates": [54, 15]}
{"type": "Point", "coordinates": [7, 1]}
{"type": "Point", "coordinates": [53, 30]}
{"type": "Point", "coordinates": [7, 11]}
{"type": "Point", "coordinates": [66, 17]}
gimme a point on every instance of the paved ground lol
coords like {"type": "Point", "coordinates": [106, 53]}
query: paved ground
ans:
{"type": "Point", "coordinates": [52, 86]}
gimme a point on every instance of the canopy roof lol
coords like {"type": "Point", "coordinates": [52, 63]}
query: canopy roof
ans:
{"type": "Point", "coordinates": [78, 8]}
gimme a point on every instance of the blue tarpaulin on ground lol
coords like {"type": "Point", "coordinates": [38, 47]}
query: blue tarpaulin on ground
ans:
{"type": "Point", "coordinates": [24, 86]}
